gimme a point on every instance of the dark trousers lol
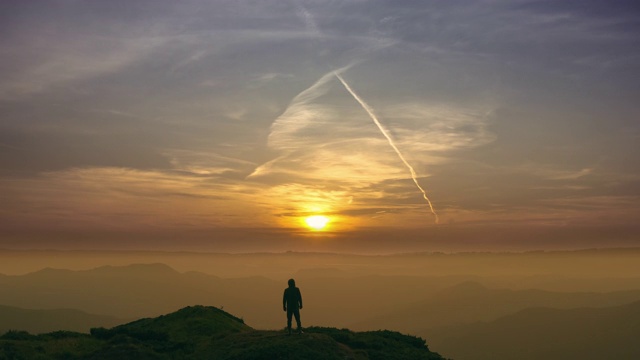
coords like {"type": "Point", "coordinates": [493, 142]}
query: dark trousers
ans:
{"type": "Point", "coordinates": [293, 312]}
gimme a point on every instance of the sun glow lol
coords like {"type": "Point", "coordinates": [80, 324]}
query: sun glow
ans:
{"type": "Point", "coordinates": [317, 222]}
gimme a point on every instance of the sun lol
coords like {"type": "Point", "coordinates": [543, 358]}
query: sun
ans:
{"type": "Point", "coordinates": [317, 222]}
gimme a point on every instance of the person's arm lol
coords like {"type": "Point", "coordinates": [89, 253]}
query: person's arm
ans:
{"type": "Point", "coordinates": [284, 301]}
{"type": "Point", "coordinates": [300, 298]}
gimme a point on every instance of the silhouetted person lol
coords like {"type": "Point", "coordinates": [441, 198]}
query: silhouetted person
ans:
{"type": "Point", "coordinates": [292, 303]}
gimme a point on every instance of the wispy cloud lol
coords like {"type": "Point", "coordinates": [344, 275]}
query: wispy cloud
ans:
{"type": "Point", "coordinates": [385, 133]}
{"type": "Point", "coordinates": [440, 127]}
{"type": "Point", "coordinates": [76, 58]}
{"type": "Point", "coordinates": [205, 162]}
{"type": "Point", "coordinates": [126, 198]}
{"type": "Point", "coordinates": [571, 175]}
{"type": "Point", "coordinates": [308, 19]}
{"type": "Point", "coordinates": [229, 112]}
{"type": "Point", "coordinates": [323, 136]}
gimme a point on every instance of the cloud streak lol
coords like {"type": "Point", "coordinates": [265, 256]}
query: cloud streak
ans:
{"type": "Point", "coordinates": [110, 197]}
{"type": "Point", "coordinates": [384, 132]}
{"type": "Point", "coordinates": [324, 145]}
{"type": "Point", "coordinates": [77, 58]}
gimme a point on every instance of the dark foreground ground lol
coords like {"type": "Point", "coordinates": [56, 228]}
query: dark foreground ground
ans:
{"type": "Point", "coordinates": [201, 332]}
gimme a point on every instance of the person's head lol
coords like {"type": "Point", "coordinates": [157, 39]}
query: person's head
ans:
{"type": "Point", "coordinates": [292, 283]}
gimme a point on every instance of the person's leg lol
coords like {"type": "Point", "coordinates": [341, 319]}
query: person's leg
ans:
{"type": "Point", "coordinates": [296, 313]}
{"type": "Point", "coordinates": [289, 315]}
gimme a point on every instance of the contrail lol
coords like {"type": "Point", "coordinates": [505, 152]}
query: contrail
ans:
{"type": "Point", "coordinates": [384, 132]}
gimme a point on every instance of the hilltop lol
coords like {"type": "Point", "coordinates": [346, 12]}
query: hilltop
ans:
{"type": "Point", "coordinates": [202, 332]}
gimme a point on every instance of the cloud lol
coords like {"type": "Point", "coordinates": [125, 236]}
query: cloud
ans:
{"type": "Point", "coordinates": [324, 137]}
{"type": "Point", "coordinates": [499, 106]}
{"type": "Point", "coordinates": [122, 198]}
{"type": "Point", "coordinates": [567, 175]}
{"type": "Point", "coordinates": [205, 162]}
{"type": "Point", "coordinates": [385, 133]}
{"type": "Point", "coordinates": [424, 127]}
{"type": "Point", "coordinates": [318, 140]}
{"type": "Point", "coordinates": [321, 134]}
{"type": "Point", "coordinates": [73, 58]}
{"type": "Point", "coordinates": [195, 57]}
{"type": "Point", "coordinates": [308, 19]}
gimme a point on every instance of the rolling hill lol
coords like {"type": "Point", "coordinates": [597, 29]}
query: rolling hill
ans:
{"type": "Point", "coordinates": [470, 302]}
{"type": "Point", "coordinates": [134, 291]}
{"type": "Point", "coordinates": [545, 333]}
{"type": "Point", "coordinates": [42, 321]}
{"type": "Point", "coordinates": [146, 290]}
{"type": "Point", "coordinates": [405, 303]}
{"type": "Point", "coordinates": [200, 332]}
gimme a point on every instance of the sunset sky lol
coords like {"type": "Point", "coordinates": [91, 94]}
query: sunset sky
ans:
{"type": "Point", "coordinates": [224, 125]}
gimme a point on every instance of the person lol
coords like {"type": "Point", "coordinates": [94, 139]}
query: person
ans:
{"type": "Point", "coordinates": [292, 303]}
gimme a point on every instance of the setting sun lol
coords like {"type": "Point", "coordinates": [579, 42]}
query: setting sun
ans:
{"type": "Point", "coordinates": [317, 222]}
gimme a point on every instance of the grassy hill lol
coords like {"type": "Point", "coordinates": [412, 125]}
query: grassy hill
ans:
{"type": "Point", "coordinates": [201, 332]}
{"type": "Point", "coordinates": [545, 333]}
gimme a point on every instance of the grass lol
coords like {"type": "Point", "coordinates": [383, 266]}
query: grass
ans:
{"type": "Point", "coordinates": [200, 332]}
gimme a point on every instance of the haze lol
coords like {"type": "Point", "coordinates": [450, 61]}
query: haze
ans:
{"type": "Point", "coordinates": [466, 305]}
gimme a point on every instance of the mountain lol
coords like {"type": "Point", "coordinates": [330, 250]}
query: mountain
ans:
{"type": "Point", "coordinates": [146, 290]}
{"type": "Point", "coordinates": [200, 332]}
{"type": "Point", "coordinates": [470, 302]}
{"type": "Point", "coordinates": [409, 304]}
{"type": "Point", "coordinates": [139, 290]}
{"type": "Point", "coordinates": [545, 333]}
{"type": "Point", "coordinates": [41, 321]}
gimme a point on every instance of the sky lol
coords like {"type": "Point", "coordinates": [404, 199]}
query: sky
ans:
{"type": "Point", "coordinates": [409, 125]}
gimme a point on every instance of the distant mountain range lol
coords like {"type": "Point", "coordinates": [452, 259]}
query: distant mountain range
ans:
{"type": "Point", "coordinates": [448, 311]}
{"type": "Point", "coordinates": [470, 302]}
{"type": "Point", "coordinates": [143, 290]}
{"type": "Point", "coordinates": [201, 332]}
{"type": "Point", "coordinates": [41, 321]}
{"type": "Point", "coordinates": [134, 291]}
{"type": "Point", "coordinates": [544, 333]}
{"type": "Point", "coordinates": [471, 322]}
